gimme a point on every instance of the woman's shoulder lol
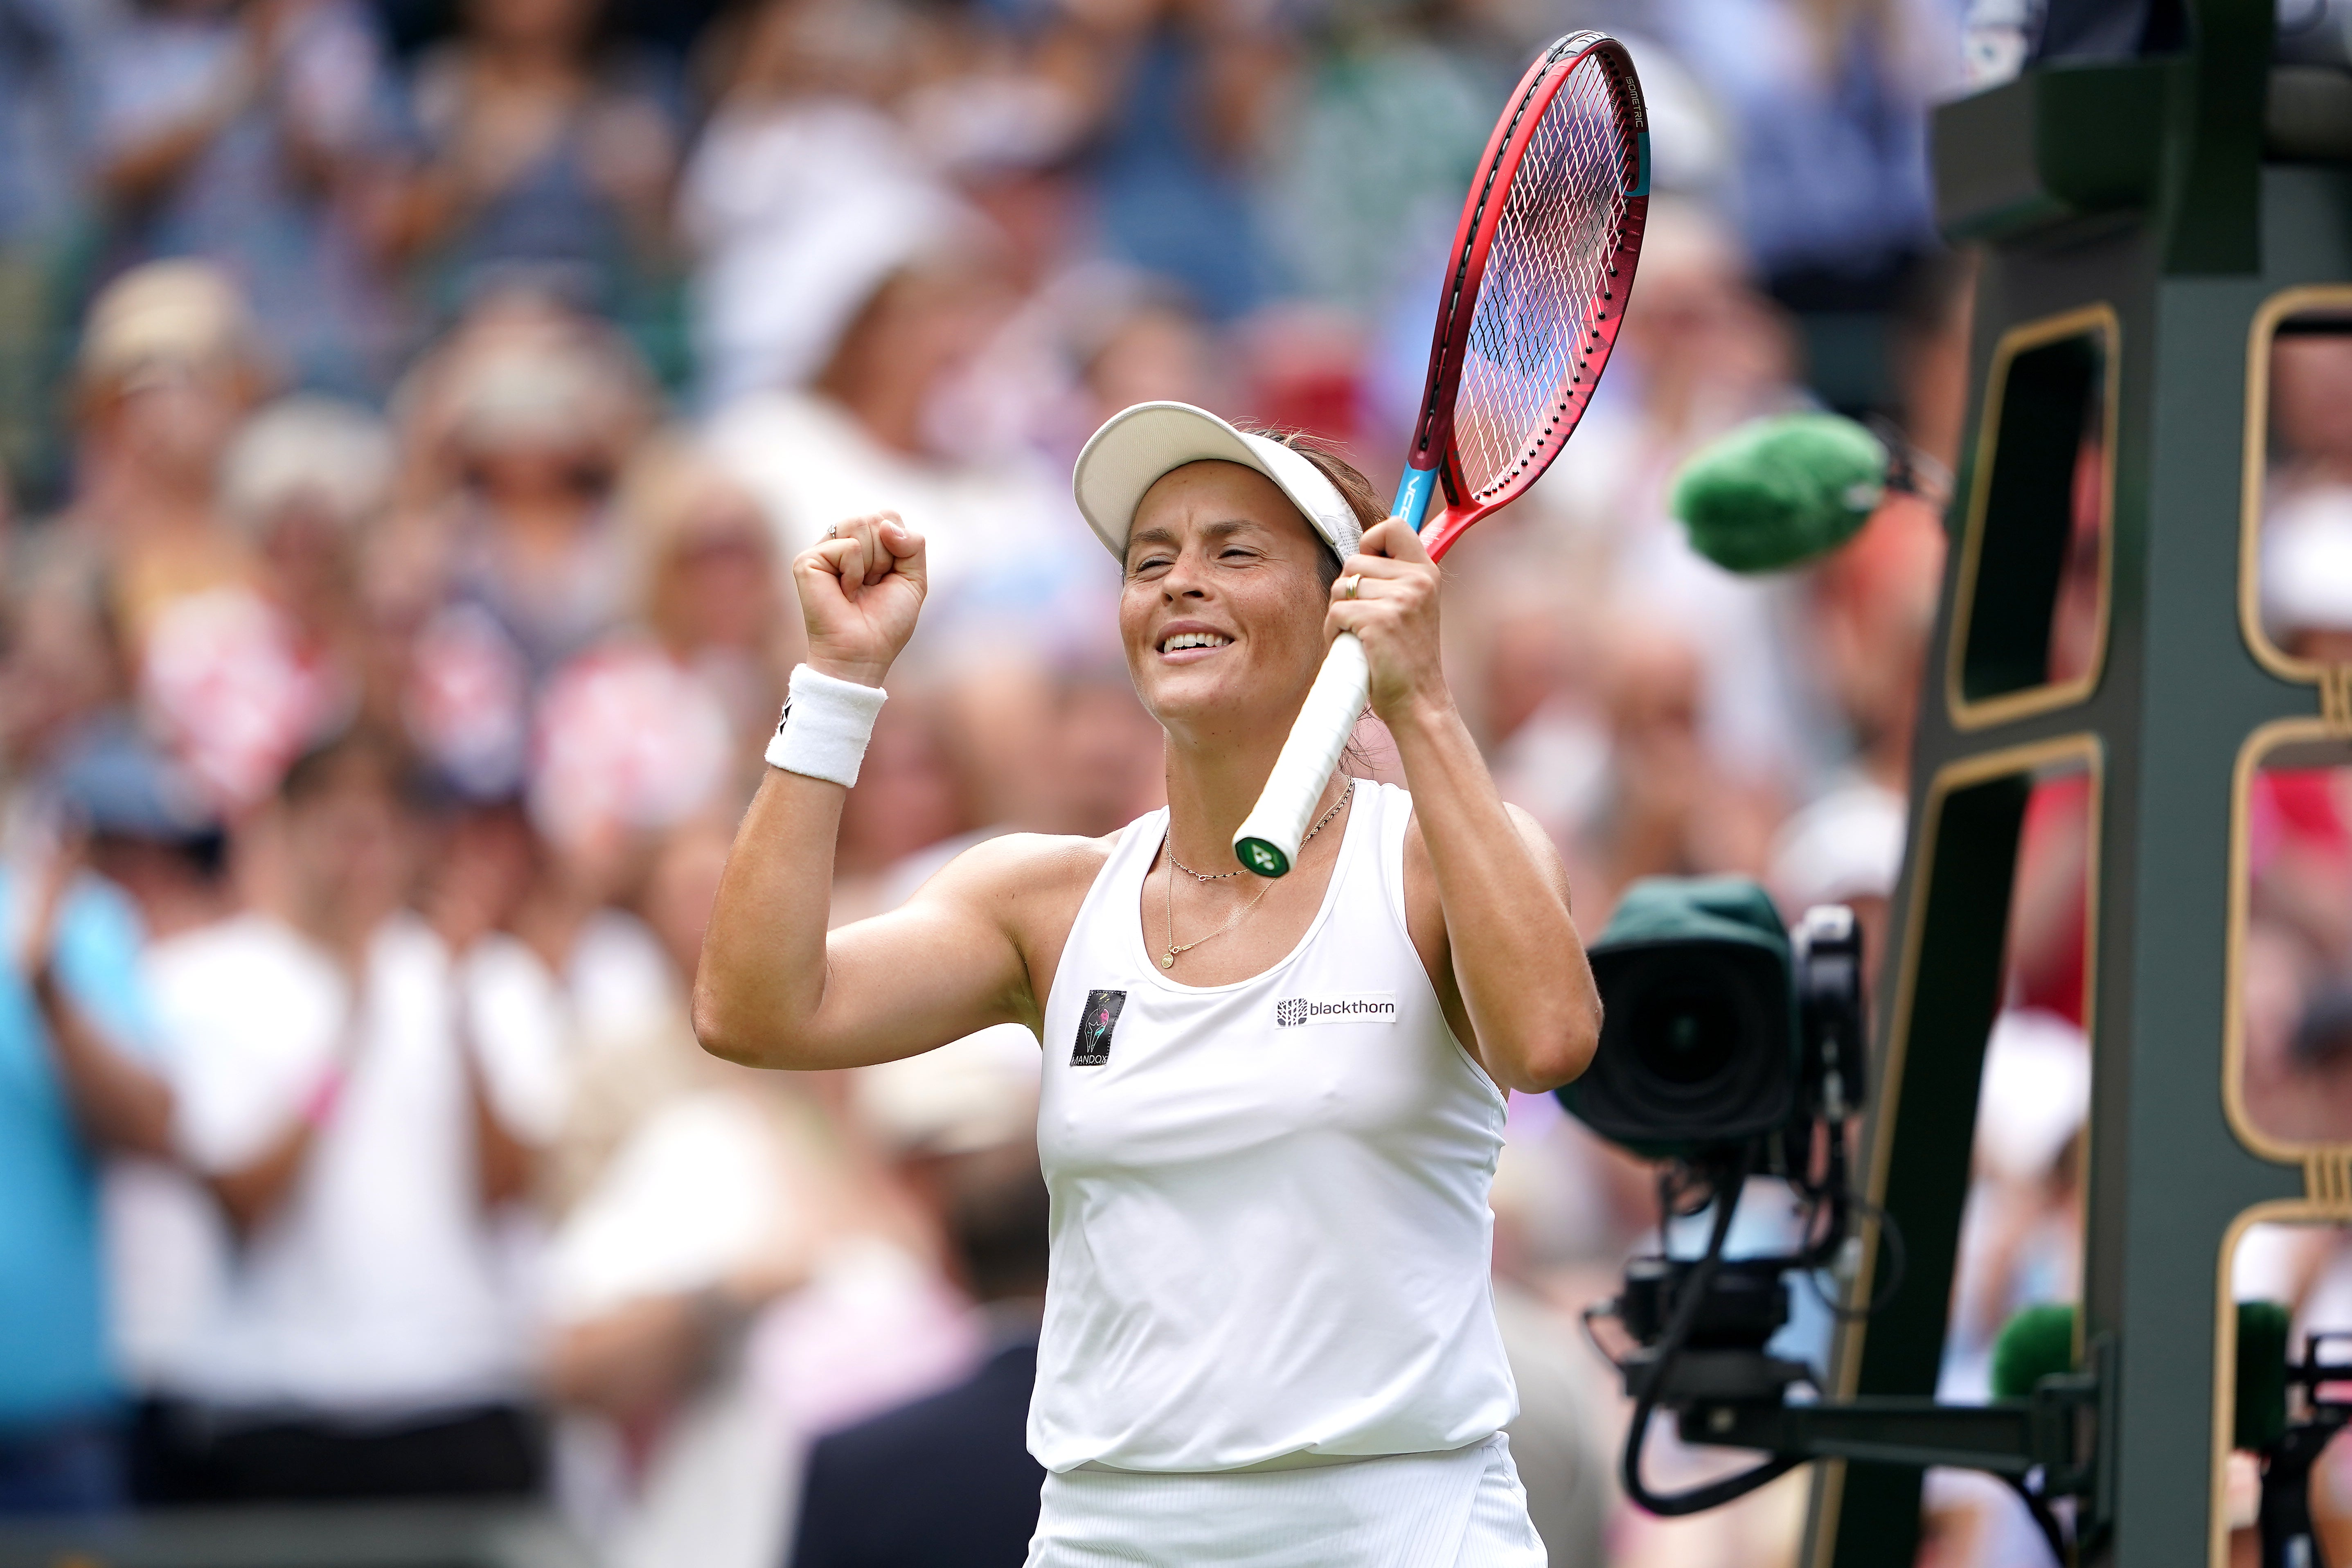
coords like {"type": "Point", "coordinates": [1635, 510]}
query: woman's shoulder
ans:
{"type": "Point", "coordinates": [1034, 865]}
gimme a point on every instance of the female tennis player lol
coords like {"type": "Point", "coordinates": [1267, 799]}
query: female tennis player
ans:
{"type": "Point", "coordinates": [1271, 1109]}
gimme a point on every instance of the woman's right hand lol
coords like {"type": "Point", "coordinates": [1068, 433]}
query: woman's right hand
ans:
{"type": "Point", "coordinates": [861, 588]}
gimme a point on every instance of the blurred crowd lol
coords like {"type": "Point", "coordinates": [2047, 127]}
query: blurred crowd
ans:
{"type": "Point", "coordinates": [408, 412]}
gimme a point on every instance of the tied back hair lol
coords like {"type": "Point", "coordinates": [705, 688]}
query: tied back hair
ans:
{"type": "Point", "coordinates": [1363, 499]}
{"type": "Point", "coordinates": [1345, 476]}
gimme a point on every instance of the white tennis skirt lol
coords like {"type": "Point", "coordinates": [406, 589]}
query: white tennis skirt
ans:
{"type": "Point", "coordinates": [1464, 1509]}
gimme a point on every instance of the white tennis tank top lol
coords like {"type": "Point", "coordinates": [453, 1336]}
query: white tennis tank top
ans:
{"type": "Point", "coordinates": [1270, 1229]}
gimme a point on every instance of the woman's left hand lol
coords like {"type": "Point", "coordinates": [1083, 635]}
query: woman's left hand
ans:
{"type": "Point", "coordinates": [1387, 596]}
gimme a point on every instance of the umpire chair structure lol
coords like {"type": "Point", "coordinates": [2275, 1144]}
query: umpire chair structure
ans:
{"type": "Point", "coordinates": [2143, 237]}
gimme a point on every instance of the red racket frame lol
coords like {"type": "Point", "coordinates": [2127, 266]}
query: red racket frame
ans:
{"type": "Point", "coordinates": [1474, 240]}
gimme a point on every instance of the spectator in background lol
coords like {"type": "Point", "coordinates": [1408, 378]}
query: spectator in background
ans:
{"type": "Point", "coordinates": [245, 677]}
{"type": "Point", "coordinates": [63, 666]}
{"type": "Point", "coordinates": [804, 182]}
{"type": "Point", "coordinates": [1873, 610]}
{"type": "Point", "coordinates": [152, 837]}
{"type": "Point", "coordinates": [259, 137]}
{"type": "Point", "coordinates": [978, 1504]}
{"type": "Point", "coordinates": [2311, 411]}
{"type": "Point", "coordinates": [1829, 104]}
{"type": "Point", "coordinates": [1180, 92]}
{"type": "Point", "coordinates": [1387, 126]}
{"type": "Point", "coordinates": [48, 51]}
{"type": "Point", "coordinates": [731, 1271]}
{"type": "Point", "coordinates": [1668, 809]}
{"type": "Point", "coordinates": [71, 1088]}
{"type": "Point", "coordinates": [867, 436]}
{"type": "Point", "coordinates": [548, 153]}
{"type": "Point", "coordinates": [667, 720]}
{"type": "Point", "coordinates": [365, 1134]}
{"type": "Point", "coordinates": [518, 430]}
{"type": "Point", "coordinates": [171, 362]}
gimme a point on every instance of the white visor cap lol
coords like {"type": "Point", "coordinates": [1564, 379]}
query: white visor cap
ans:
{"type": "Point", "coordinates": [1136, 446]}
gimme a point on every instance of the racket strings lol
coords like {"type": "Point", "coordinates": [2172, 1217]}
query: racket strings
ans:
{"type": "Point", "coordinates": [1534, 345]}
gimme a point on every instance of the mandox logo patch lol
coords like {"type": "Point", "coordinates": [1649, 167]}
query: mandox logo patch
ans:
{"type": "Point", "coordinates": [1360, 1008]}
{"type": "Point", "coordinates": [1097, 1024]}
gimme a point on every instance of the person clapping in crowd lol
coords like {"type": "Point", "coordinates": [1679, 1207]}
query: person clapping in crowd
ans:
{"type": "Point", "coordinates": [366, 1136]}
{"type": "Point", "coordinates": [71, 1086]}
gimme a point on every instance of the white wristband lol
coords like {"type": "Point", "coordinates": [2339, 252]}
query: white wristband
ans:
{"type": "Point", "coordinates": [828, 722]}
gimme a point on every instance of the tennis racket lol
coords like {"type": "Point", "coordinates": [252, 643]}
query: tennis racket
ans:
{"type": "Point", "coordinates": [1542, 264]}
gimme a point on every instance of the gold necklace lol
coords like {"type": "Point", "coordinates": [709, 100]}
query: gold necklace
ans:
{"type": "Point", "coordinates": [1168, 959]}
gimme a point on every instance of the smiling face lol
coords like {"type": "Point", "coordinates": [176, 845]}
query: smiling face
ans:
{"type": "Point", "coordinates": [1222, 616]}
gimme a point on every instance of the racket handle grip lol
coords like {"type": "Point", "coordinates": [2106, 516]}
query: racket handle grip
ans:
{"type": "Point", "coordinates": [1267, 840]}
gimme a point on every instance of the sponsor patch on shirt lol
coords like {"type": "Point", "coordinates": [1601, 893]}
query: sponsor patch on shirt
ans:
{"type": "Point", "coordinates": [1096, 1024]}
{"type": "Point", "coordinates": [1362, 1008]}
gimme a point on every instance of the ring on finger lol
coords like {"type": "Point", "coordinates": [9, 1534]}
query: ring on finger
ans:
{"type": "Point", "coordinates": [1350, 584]}
{"type": "Point", "coordinates": [832, 530]}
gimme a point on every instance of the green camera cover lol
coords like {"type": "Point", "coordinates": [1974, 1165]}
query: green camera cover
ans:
{"type": "Point", "coordinates": [1682, 908]}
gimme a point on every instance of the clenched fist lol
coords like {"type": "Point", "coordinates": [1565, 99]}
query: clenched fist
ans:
{"type": "Point", "coordinates": [861, 588]}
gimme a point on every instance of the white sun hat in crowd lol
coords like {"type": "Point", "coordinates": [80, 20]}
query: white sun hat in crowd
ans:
{"type": "Point", "coordinates": [2308, 563]}
{"type": "Point", "coordinates": [974, 1093]}
{"type": "Point", "coordinates": [1136, 446]}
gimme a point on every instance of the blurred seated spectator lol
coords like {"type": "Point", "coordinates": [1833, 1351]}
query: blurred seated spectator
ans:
{"type": "Point", "coordinates": [1181, 96]}
{"type": "Point", "coordinates": [548, 153]}
{"type": "Point", "coordinates": [72, 1087]}
{"type": "Point", "coordinates": [2292, 996]}
{"type": "Point", "coordinates": [171, 362]}
{"type": "Point", "coordinates": [667, 720]}
{"type": "Point", "coordinates": [518, 429]}
{"type": "Point", "coordinates": [63, 665]}
{"type": "Point", "coordinates": [734, 1269]}
{"type": "Point", "coordinates": [243, 679]}
{"type": "Point", "coordinates": [1705, 353]}
{"type": "Point", "coordinates": [1385, 131]}
{"type": "Point", "coordinates": [153, 836]}
{"type": "Point", "coordinates": [2021, 1233]}
{"type": "Point", "coordinates": [868, 435]}
{"type": "Point", "coordinates": [2311, 410]}
{"type": "Point", "coordinates": [1553, 1183]}
{"type": "Point", "coordinates": [2050, 909]}
{"type": "Point", "coordinates": [365, 1133]}
{"type": "Point", "coordinates": [1668, 807]}
{"type": "Point", "coordinates": [260, 137]}
{"type": "Point", "coordinates": [48, 51]}
{"type": "Point", "coordinates": [977, 1504]}
{"type": "Point", "coordinates": [803, 184]}
{"type": "Point", "coordinates": [1872, 607]}
{"type": "Point", "coordinates": [1813, 89]}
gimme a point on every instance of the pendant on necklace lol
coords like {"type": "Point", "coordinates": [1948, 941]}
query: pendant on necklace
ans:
{"type": "Point", "coordinates": [1168, 960]}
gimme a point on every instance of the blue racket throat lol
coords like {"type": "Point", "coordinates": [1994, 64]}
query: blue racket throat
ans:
{"type": "Point", "coordinates": [1413, 494]}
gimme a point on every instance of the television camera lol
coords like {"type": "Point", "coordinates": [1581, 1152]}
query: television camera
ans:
{"type": "Point", "coordinates": [1732, 1047]}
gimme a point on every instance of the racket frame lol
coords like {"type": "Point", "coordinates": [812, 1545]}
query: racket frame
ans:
{"type": "Point", "coordinates": [1433, 464]}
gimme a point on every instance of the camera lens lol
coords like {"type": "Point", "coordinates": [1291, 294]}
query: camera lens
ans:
{"type": "Point", "coordinates": [1696, 1045]}
{"type": "Point", "coordinates": [1685, 1028]}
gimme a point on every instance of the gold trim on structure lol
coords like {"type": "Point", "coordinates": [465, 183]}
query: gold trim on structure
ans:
{"type": "Point", "coordinates": [2326, 1167]}
{"type": "Point", "coordinates": [2255, 477]}
{"type": "Point", "coordinates": [2005, 706]}
{"type": "Point", "coordinates": [2310, 1209]}
{"type": "Point", "coordinates": [2266, 739]}
{"type": "Point", "coordinates": [2009, 762]}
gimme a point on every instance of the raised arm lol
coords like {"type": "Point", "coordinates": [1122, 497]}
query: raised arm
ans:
{"type": "Point", "coordinates": [1512, 949]}
{"type": "Point", "coordinates": [772, 989]}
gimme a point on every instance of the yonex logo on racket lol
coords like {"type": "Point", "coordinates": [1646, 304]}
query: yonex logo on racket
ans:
{"type": "Point", "coordinates": [1365, 1007]}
